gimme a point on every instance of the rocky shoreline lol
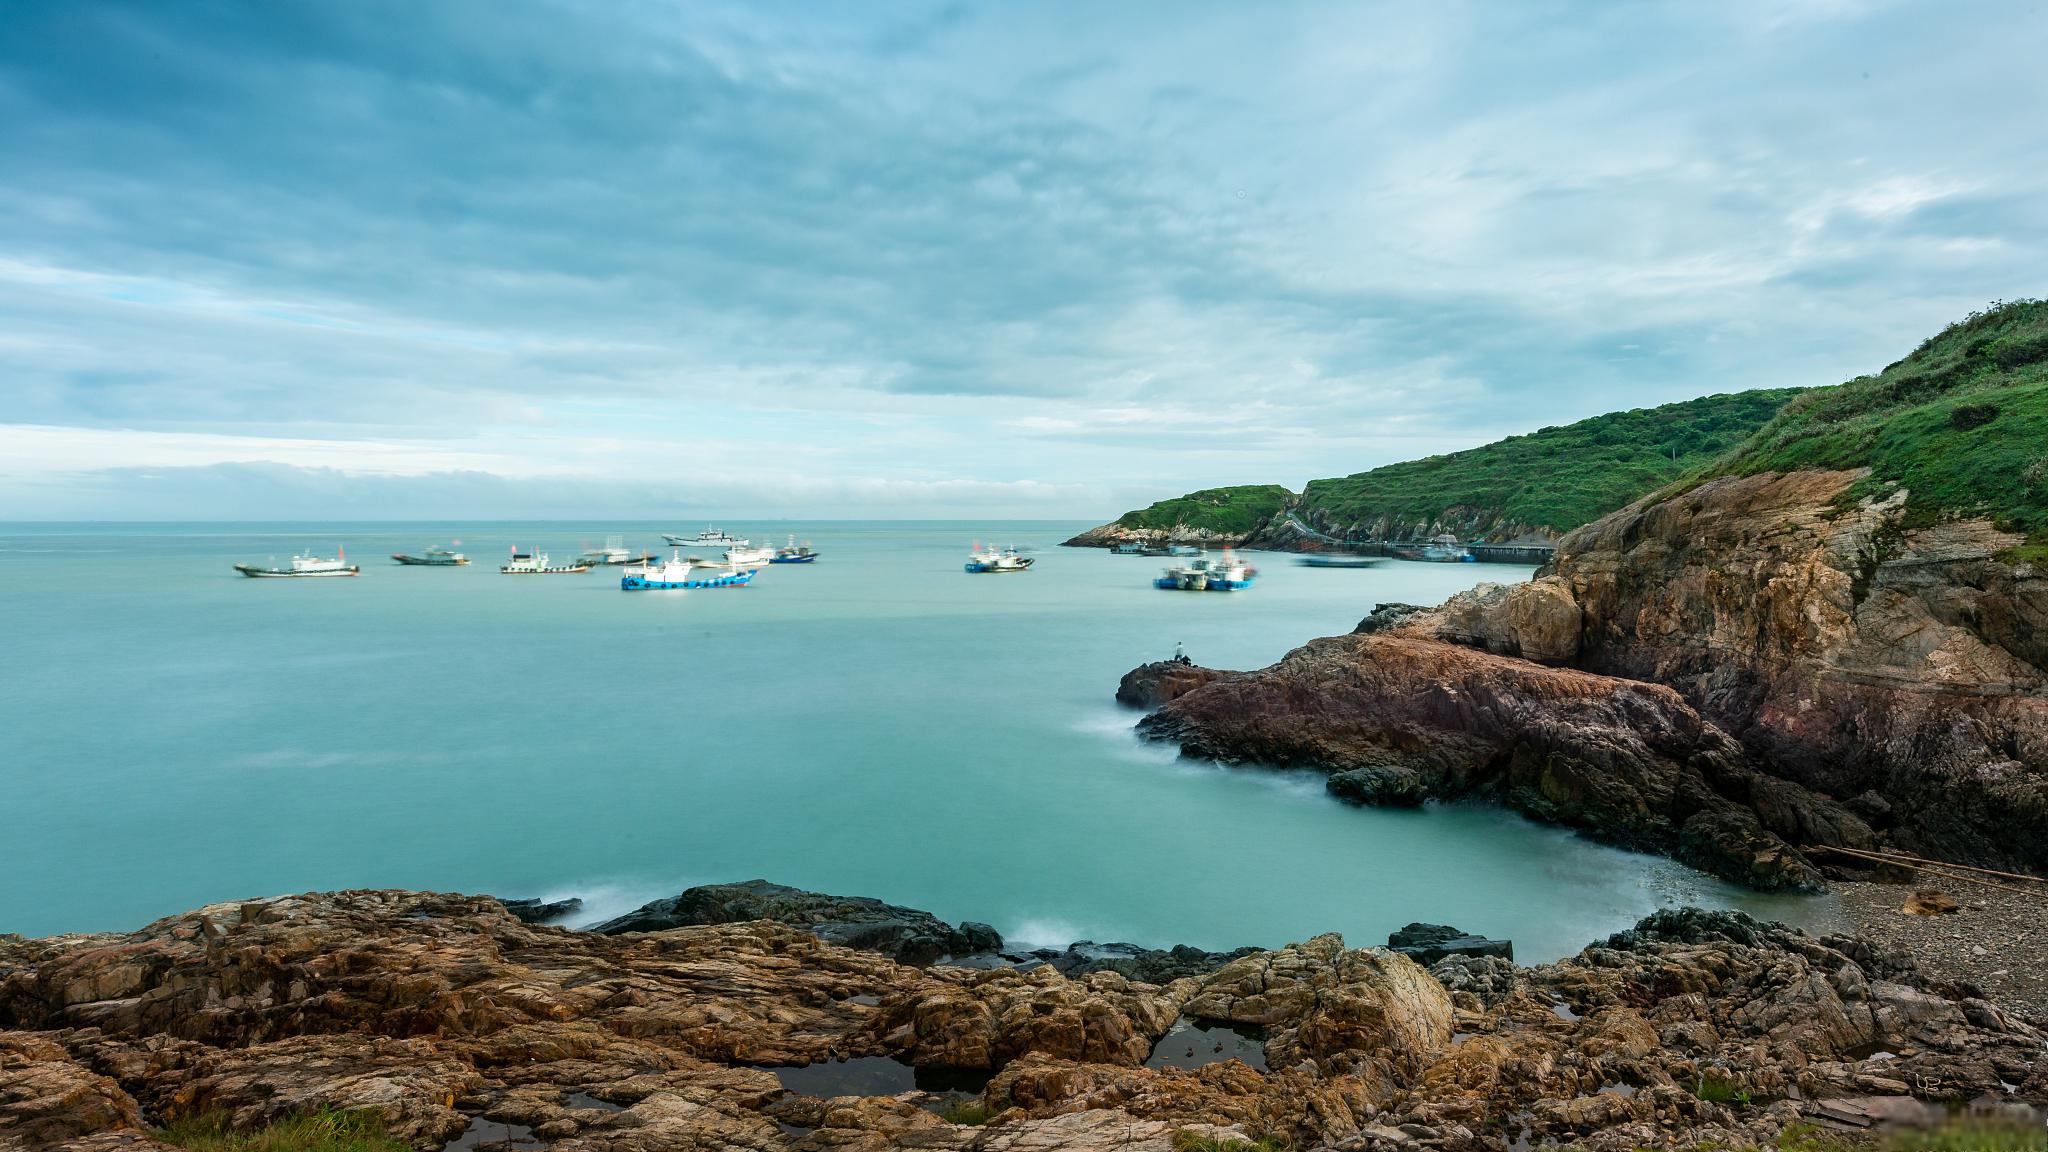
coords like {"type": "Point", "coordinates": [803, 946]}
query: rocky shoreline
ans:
{"type": "Point", "coordinates": [448, 1015]}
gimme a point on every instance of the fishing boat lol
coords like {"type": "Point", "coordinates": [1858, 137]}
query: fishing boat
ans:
{"type": "Point", "coordinates": [1182, 550]}
{"type": "Point", "coordinates": [709, 537]}
{"type": "Point", "coordinates": [1440, 550]}
{"type": "Point", "coordinates": [1325, 561]}
{"type": "Point", "coordinates": [745, 556]}
{"type": "Point", "coordinates": [304, 564]}
{"type": "Point", "coordinates": [1202, 574]}
{"type": "Point", "coordinates": [433, 558]}
{"type": "Point", "coordinates": [675, 573]}
{"type": "Point", "coordinates": [1128, 548]}
{"type": "Point", "coordinates": [613, 553]}
{"type": "Point", "coordinates": [536, 564]}
{"type": "Point", "coordinates": [992, 559]}
{"type": "Point", "coordinates": [794, 553]}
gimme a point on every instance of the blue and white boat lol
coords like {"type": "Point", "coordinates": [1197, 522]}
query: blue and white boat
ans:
{"type": "Point", "coordinates": [992, 559]}
{"type": "Point", "coordinates": [675, 572]}
{"type": "Point", "coordinates": [794, 553]}
{"type": "Point", "coordinates": [1202, 574]}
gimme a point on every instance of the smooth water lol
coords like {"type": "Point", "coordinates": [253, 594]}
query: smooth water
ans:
{"type": "Point", "coordinates": [877, 723]}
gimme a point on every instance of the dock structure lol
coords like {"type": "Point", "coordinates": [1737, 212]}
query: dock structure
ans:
{"type": "Point", "coordinates": [1512, 553]}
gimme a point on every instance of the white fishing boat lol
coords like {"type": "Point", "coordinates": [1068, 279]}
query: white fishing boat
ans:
{"type": "Point", "coordinates": [745, 556]}
{"type": "Point", "coordinates": [992, 559]}
{"type": "Point", "coordinates": [708, 538]}
{"type": "Point", "coordinates": [302, 565]}
{"type": "Point", "coordinates": [1202, 574]}
{"type": "Point", "coordinates": [613, 553]}
{"type": "Point", "coordinates": [536, 564]}
{"type": "Point", "coordinates": [679, 573]}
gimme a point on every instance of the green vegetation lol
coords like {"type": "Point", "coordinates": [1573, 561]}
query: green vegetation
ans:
{"type": "Point", "coordinates": [1962, 424]}
{"type": "Point", "coordinates": [1187, 1140]}
{"type": "Point", "coordinates": [972, 1113]}
{"type": "Point", "coordinates": [1228, 511]}
{"type": "Point", "coordinates": [1555, 478]}
{"type": "Point", "coordinates": [314, 1132]}
{"type": "Point", "coordinates": [1716, 1090]}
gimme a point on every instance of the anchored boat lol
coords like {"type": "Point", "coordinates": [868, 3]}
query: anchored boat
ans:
{"type": "Point", "coordinates": [992, 560]}
{"type": "Point", "coordinates": [304, 564]}
{"type": "Point", "coordinates": [1443, 549]}
{"type": "Point", "coordinates": [794, 553]}
{"type": "Point", "coordinates": [709, 537]}
{"type": "Point", "coordinates": [1323, 561]}
{"type": "Point", "coordinates": [675, 573]}
{"type": "Point", "coordinates": [743, 556]}
{"type": "Point", "coordinates": [613, 553]}
{"type": "Point", "coordinates": [433, 558]}
{"type": "Point", "coordinates": [536, 564]}
{"type": "Point", "coordinates": [1202, 574]}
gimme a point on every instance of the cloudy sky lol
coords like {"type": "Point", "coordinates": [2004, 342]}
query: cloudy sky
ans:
{"type": "Point", "coordinates": [372, 259]}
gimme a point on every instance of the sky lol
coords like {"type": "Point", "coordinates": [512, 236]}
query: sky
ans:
{"type": "Point", "coordinates": [528, 259]}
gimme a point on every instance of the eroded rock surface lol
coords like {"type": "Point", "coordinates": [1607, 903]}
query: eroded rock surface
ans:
{"type": "Point", "coordinates": [1630, 762]}
{"type": "Point", "coordinates": [445, 1015]}
{"type": "Point", "coordinates": [906, 934]}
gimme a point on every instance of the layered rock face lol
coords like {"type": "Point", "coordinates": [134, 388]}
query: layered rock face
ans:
{"type": "Point", "coordinates": [446, 1015]}
{"type": "Point", "coordinates": [1898, 668]}
{"type": "Point", "coordinates": [1632, 763]}
{"type": "Point", "coordinates": [1837, 677]}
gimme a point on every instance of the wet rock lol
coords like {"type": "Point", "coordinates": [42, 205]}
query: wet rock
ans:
{"type": "Point", "coordinates": [1428, 943]}
{"type": "Point", "coordinates": [905, 934]}
{"type": "Point", "coordinates": [1379, 785]}
{"type": "Point", "coordinates": [543, 911]}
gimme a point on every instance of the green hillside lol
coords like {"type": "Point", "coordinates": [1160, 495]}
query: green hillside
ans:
{"type": "Point", "coordinates": [1962, 423]}
{"type": "Point", "coordinates": [1226, 511]}
{"type": "Point", "coordinates": [1556, 478]}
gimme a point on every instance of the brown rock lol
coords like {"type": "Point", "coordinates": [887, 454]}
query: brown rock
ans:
{"type": "Point", "coordinates": [1930, 902]}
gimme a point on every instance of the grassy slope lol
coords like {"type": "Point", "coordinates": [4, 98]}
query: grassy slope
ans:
{"type": "Point", "coordinates": [1234, 511]}
{"type": "Point", "coordinates": [1556, 478]}
{"type": "Point", "coordinates": [1962, 423]}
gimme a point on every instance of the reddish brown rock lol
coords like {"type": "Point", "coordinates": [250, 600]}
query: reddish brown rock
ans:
{"type": "Point", "coordinates": [1632, 763]}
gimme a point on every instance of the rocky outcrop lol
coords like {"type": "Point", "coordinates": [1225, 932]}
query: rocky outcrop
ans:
{"type": "Point", "coordinates": [446, 1015]}
{"type": "Point", "coordinates": [1851, 650]}
{"type": "Point", "coordinates": [1428, 943]}
{"type": "Point", "coordinates": [1112, 534]}
{"type": "Point", "coordinates": [905, 934]}
{"type": "Point", "coordinates": [1150, 685]}
{"type": "Point", "coordinates": [1629, 762]}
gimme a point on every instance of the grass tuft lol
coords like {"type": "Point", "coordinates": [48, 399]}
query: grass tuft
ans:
{"type": "Point", "coordinates": [329, 1131]}
{"type": "Point", "coordinates": [972, 1113]}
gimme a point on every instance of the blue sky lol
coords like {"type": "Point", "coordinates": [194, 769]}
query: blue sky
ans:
{"type": "Point", "coordinates": [373, 259]}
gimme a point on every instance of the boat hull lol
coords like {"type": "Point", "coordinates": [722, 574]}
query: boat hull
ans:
{"type": "Point", "coordinates": [288, 574]}
{"type": "Point", "coordinates": [644, 584]}
{"type": "Point", "coordinates": [791, 559]}
{"type": "Point", "coordinates": [1212, 584]}
{"type": "Point", "coordinates": [981, 568]}
{"type": "Point", "coordinates": [423, 562]}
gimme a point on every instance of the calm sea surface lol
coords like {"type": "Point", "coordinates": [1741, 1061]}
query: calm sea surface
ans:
{"type": "Point", "coordinates": [877, 723]}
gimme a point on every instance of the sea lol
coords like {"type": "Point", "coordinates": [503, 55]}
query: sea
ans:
{"type": "Point", "coordinates": [877, 723]}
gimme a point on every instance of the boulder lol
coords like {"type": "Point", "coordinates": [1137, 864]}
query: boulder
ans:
{"type": "Point", "coordinates": [1428, 943]}
{"type": "Point", "coordinates": [905, 934]}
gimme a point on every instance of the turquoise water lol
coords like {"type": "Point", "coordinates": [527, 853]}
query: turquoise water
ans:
{"type": "Point", "coordinates": [877, 723]}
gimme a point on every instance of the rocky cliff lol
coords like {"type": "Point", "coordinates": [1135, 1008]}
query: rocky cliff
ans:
{"type": "Point", "coordinates": [450, 1019]}
{"type": "Point", "coordinates": [1897, 667]}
